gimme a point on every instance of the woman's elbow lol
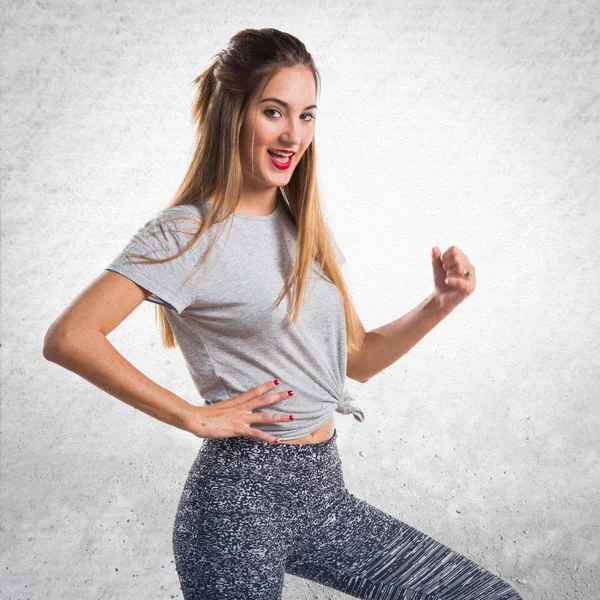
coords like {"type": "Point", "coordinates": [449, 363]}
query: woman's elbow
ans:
{"type": "Point", "coordinates": [56, 343]}
{"type": "Point", "coordinates": [353, 374]}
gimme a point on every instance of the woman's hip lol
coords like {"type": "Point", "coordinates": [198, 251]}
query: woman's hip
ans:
{"type": "Point", "coordinates": [263, 474]}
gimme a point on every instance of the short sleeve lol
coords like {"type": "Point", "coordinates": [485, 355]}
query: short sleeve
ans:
{"type": "Point", "coordinates": [169, 282]}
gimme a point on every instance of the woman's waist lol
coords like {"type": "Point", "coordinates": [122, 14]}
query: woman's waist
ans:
{"type": "Point", "coordinates": [243, 456]}
{"type": "Point", "coordinates": [321, 434]}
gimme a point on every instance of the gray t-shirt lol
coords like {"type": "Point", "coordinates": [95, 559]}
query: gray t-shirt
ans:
{"type": "Point", "coordinates": [231, 336]}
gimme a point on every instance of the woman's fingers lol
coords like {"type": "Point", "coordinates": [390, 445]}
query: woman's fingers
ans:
{"type": "Point", "coordinates": [258, 396]}
{"type": "Point", "coordinates": [261, 435]}
{"type": "Point", "coordinates": [234, 416]}
{"type": "Point", "coordinates": [254, 392]}
{"type": "Point", "coordinates": [266, 417]}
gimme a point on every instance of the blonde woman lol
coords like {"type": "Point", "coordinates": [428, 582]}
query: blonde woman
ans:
{"type": "Point", "coordinates": [247, 282]}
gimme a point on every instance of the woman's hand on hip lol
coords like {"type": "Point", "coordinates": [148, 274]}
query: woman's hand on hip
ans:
{"type": "Point", "coordinates": [233, 417]}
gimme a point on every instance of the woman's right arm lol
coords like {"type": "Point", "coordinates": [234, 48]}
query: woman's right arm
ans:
{"type": "Point", "coordinates": [77, 341]}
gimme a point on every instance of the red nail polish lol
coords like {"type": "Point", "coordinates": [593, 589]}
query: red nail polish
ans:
{"type": "Point", "coordinates": [291, 417]}
{"type": "Point", "coordinates": [290, 393]}
{"type": "Point", "coordinates": [276, 442]}
{"type": "Point", "coordinates": [276, 381]}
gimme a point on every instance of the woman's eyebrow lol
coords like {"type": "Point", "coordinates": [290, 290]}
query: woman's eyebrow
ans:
{"type": "Point", "coordinates": [284, 104]}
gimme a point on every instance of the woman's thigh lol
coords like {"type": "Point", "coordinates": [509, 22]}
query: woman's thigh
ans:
{"type": "Point", "coordinates": [223, 540]}
{"type": "Point", "coordinates": [354, 547]}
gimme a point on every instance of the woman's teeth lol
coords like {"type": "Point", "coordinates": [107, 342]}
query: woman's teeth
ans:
{"type": "Point", "coordinates": [282, 158]}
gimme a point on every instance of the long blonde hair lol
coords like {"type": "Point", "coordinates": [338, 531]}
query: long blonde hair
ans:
{"type": "Point", "coordinates": [251, 59]}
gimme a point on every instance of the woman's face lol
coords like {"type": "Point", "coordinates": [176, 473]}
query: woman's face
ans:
{"type": "Point", "coordinates": [278, 126]}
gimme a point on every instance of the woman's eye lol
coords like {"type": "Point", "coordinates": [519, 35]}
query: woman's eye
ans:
{"type": "Point", "coordinates": [267, 112]}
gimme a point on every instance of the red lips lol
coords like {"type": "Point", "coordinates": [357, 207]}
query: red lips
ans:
{"type": "Point", "coordinates": [281, 166]}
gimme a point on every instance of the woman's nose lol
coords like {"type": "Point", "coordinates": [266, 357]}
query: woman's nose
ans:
{"type": "Point", "coordinates": [291, 135]}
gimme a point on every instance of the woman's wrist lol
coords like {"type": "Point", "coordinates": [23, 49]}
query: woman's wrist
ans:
{"type": "Point", "coordinates": [186, 414]}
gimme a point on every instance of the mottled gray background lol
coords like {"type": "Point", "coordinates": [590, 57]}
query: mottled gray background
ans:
{"type": "Point", "coordinates": [469, 123]}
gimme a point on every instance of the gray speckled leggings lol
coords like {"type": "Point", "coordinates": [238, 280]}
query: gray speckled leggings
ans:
{"type": "Point", "coordinates": [251, 511]}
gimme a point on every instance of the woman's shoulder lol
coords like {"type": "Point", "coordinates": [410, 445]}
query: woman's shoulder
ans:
{"type": "Point", "coordinates": [170, 226]}
{"type": "Point", "coordinates": [181, 210]}
{"type": "Point", "coordinates": [178, 216]}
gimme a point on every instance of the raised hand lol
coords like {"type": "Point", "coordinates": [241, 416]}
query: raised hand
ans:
{"type": "Point", "coordinates": [453, 276]}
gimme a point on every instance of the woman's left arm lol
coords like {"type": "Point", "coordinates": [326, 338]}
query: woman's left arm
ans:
{"type": "Point", "coordinates": [454, 280]}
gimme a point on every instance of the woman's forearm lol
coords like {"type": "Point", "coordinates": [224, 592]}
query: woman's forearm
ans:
{"type": "Point", "coordinates": [90, 355]}
{"type": "Point", "coordinates": [386, 344]}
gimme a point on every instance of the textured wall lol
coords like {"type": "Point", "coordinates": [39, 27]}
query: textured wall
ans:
{"type": "Point", "coordinates": [467, 123]}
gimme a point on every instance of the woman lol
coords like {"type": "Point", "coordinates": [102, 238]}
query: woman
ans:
{"type": "Point", "coordinates": [265, 494]}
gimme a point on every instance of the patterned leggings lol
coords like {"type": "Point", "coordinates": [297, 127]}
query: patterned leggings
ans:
{"type": "Point", "coordinates": [251, 511]}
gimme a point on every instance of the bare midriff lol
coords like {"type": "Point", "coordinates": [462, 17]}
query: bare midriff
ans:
{"type": "Point", "coordinates": [322, 434]}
